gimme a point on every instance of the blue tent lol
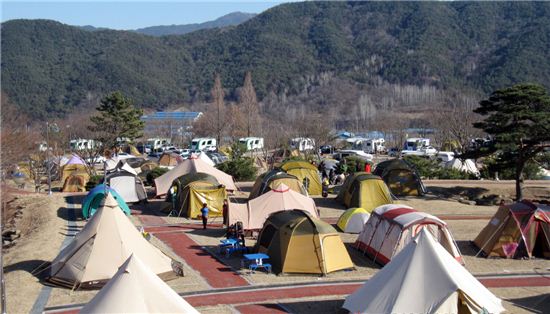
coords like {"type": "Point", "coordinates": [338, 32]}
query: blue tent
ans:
{"type": "Point", "coordinates": [96, 195]}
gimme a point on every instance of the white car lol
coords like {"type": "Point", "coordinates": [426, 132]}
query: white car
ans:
{"type": "Point", "coordinates": [209, 148]}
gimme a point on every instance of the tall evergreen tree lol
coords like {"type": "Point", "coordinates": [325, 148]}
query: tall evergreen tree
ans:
{"type": "Point", "coordinates": [518, 119]}
{"type": "Point", "coordinates": [117, 119]}
{"type": "Point", "coordinates": [249, 103]}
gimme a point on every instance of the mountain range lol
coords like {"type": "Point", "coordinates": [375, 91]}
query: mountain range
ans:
{"type": "Point", "coordinates": [295, 51]}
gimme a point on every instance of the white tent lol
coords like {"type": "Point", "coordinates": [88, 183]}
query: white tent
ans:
{"type": "Point", "coordinates": [466, 165]}
{"type": "Point", "coordinates": [280, 198]}
{"type": "Point", "coordinates": [204, 157]}
{"type": "Point", "coordinates": [105, 242]}
{"type": "Point", "coordinates": [192, 165]}
{"type": "Point", "coordinates": [423, 278]}
{"type": "Point", "coordinates": [136, 289]}
{"type": "Point", "coordinates": [125, 181]}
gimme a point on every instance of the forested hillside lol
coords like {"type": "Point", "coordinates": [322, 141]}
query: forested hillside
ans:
{"type": "Point", "coordinates": [295, 51]}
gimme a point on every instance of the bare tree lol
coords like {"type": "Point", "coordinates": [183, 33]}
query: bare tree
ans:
{"type": "Point", "coordinates": [455, 124]}
{"type": "Point", "coordinates": [219, 107]}
{"type": "Point", "coordinates": [249, 104]}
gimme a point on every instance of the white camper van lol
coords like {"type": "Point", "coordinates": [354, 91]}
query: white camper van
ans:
{"type": "Point", "coordinates": [252, 143]}
{"type": "Point", "coordinates": [374, 146]}
{"type": "Point", "coordinates": [83, 144]}
{"type": "Point", "coordinates": [158, 143]}
{"type": "Point", "coordinates": [204, 143]}
{"type": "Point", "coordinates": [416, 143]}
{"type": "Point", "coordinates": [302, 143]}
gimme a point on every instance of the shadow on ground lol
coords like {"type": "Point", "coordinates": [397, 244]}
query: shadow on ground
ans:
{"type": "Point", "coordinates": [458, 191]}
{"type": "Point", "coordinates": [318, 307]}
{"type": "Point", "coordinates": [37, 268]}
{"type": "Point", "coordinates": [535, 304]}
{"type": "Point", "coordinates": [70, 214]}
{"type": "Point", "coordinates": [467, 248]}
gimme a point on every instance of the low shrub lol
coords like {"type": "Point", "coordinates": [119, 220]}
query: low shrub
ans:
{"type": "Point", "coordinates": [155, 173]}
{"type": "Point", "coordinates": [242, 169]}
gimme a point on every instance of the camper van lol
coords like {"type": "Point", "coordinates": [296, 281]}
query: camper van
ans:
{"type": "Point", "coordinates": [157, 143]}
{"type": "Point", "coordinates": [82, 144]}
{"type": "Point", "coordinates": [416, 143]}
{"type": "Point", "coordinates": [203, 143]}
{"type": "Point", "coordinates": [302, 143]}
{"type": "Point", "coordinates": [252, 143]}
{"type": "Point", "coordinates": [373, 146]}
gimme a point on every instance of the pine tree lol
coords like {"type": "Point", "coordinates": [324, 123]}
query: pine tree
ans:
{"type": "Point", "coordinates": [117, 119]}
{"type": "Point", "coordinates": [518, 118]}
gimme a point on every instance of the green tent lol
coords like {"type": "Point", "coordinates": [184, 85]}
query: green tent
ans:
{"type": "Point", "coordinates": [306, 173]}
{"type": "Point", "coordinates": [364, 190]}
{"type": "Point", "coordinates": [268, 180]}
{"type": "Point", "coordinates": [401, 177]}
{"type": "Point", "coordinates": [95, 196]}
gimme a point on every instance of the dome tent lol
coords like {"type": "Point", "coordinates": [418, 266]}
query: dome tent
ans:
{"type": "Point", "coordinates": [93, 200]}
{"type": "Point", "coordinates": [268, 180]}
{"type": "Point", "coordinates": [353, 220]}
{"type": "Point", "coordinates": [306, 173]}
{"type": "Point", "coordinates": [401, 177]}
{"type": "Point", "coordinates": [364, 190]}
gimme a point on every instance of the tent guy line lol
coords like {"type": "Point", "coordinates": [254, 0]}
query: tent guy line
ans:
{"type": "Point", "coordinates": [44, 295]}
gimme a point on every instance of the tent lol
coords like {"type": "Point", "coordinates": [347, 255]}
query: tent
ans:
{"type": "Point", "coordinates": [353, 220]}
{"type": "Point", "coordinates": [192, 165]}
{"type": "Point", "coordinates": [517, 230]}
{"type": "Point", "coordinates": [126, 182]}
{"type": "Point", "coordinates": [466, 165]}
{"type": "Point", "coordinates": [190, 191]}
{"type": "Point", "coordinates": [401, 177]}
{"type": "Point", "coordinates": [270, 179]}
{"type": "Point", "coordinates": [135, 289]}
{"type": "Point", "coordinates": [74, 175]}
{"type": "Point", "coordinates": [391, 227]}
{"type": "Point", "coordinates": [423, 278]}
{"type": "Point", "coordinates": [364, 190]}
{"type": "Point", "coordinates": [105, 242]}
{"type": "Point", "coordinates": [93, 200]}
{"type": "Point", "coordinates": [306, 173]}
{"type": "Point", "coordinates": [280, 198]}
{"type": "Point", "coordinates": [169, 160]}
{"type": "Point", "coordinates": [299, 243]}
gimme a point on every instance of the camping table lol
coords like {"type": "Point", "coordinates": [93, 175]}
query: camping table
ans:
{"type": "Point", "coordinates": [256, 260]}
{"type": "Point", "coordinates": [227, 243]}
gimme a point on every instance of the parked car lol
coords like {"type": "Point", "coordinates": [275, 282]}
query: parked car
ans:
{"type": "Point", "coordinates": [185, 153]}
{"type": "Point", "coordinates": [217, 157]}
{"type": "Point", "coordinates": [209, 148]}
{"type": "Point", "coordinates": [393, 152]}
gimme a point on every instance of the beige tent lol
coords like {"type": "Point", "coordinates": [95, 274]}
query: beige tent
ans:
{"type": "Point", "coordinates": [280, 198]}
{"type": "Point", "coordinates": [105, 242]}
{"type": "Point", "coordinates": [136, 289]}
{"type": "Point", "coordinates": [192, 165]}
{"type": "Point", "coordinates": [423, 278]}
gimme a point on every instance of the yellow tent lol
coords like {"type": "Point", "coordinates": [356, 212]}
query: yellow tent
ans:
{"type": "Point", "coordinates": [306, 173]}
{"type": "Point", "coordinates": [353, 220]}
{"type": "Point", "coordinates": [190, 191]}
{"type": "Point", "coordinates": [364, 190]}
{"type": "Point", "coordinates": [299, 243]}
{"type": "Point", "coordinates": [267, 181]}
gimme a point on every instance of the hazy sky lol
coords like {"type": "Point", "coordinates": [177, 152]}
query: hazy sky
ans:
{"type": "Point", "coordinates": [129, 14]}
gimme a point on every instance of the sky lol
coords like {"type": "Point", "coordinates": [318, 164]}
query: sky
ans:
{"type": "Point", "coordinates": [130, 14]}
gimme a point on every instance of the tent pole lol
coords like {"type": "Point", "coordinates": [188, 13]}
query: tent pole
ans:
{"type": "Point", "coordinates": [492, 235]}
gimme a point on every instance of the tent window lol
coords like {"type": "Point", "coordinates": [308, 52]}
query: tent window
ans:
{"type": "Point", "coordinates": [267, 235]}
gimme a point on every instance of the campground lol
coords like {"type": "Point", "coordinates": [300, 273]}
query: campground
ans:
{"type": "Point", "coordinates": [216, 284]}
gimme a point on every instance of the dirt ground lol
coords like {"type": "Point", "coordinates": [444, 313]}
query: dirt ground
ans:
{"type": "Point", "coordinates": [44, 226]}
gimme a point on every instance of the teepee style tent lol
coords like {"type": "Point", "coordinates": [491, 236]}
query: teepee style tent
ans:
{"type": "Point", "coordinates": [296, 242]}
{"type": "Point", "coordinates": [124, 179]}
{"type": "Point", "coordinates": [364, 190]}
{"type": "Point", "coordinates": [517, 230]}
{"type": "Point", "coordinates": [353, 220]}
{"type": "Point", "coordinates": [280, 198]}
{"type": "Point", "coordinates": [391, 227]}
{"type": "Point", "coordinates": [105, 242]}
{"type": "Point", "coordinates": [192, 165]}
{"type": "Point", "coordinates": [136, 289]}
{"type": "Point", "coordinates": [306, 173]}
{"type": "Point", "coordinates": [93, 200]}
{"type": "Point", "coordinates": [423, 278]}
{"type": "Point", "coordinates": [273, 178]}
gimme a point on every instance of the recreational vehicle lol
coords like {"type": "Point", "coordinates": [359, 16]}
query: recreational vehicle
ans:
{"type": "Point", "coordinates": [416, 143]}
{"type": "Point", "coordinates": [204, 143]}
{"type": "Point", "coordinates": [302, 143]}
{"type": "Point", "coordinates": [83, 144]}
{"type": "Point", "coordinates": [252, 143]}
{"type": "Point", "coordinates": [157, 143]}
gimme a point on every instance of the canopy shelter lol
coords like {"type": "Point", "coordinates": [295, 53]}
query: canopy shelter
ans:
{"type": "Point", "coordinates": [423, 278]}
{"type": "Point", "coordinates": [391, 227]}
{"type": "Point", "coordinates": [296, 242]}
{"type": "Point", "coordinates": [270, 179]}
{"type": "Point", "coordinates": [93, 200]}
{"type": "Point", "coordinates": [364, 190]}
{"type": "Point", "coordinates": [97, 251]}
{"type": "Point", "coordinates": [306, 173]}
{"type": "Point", "coordinates": [136, 289]}
{"type": "Point", "coordinates": [517, 230]}
{"type": "Point", "coordinates": [192, 165]}
{"type": "Point", "coordinates": [401, 177]}
{"type": "Point", "coordinates": [124, 179]}
{"type": "Point", "coordinates": [258, 210]}
{"type": "Point", "coordinates": [190, 191]}
{"type": "Point", "coordinates": [353, 220]}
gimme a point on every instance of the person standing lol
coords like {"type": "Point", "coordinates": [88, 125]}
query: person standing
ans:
{"type": "Point", "coordinates": [225, 212]}
{"type": "Point", "coordinates": [204, 215]}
